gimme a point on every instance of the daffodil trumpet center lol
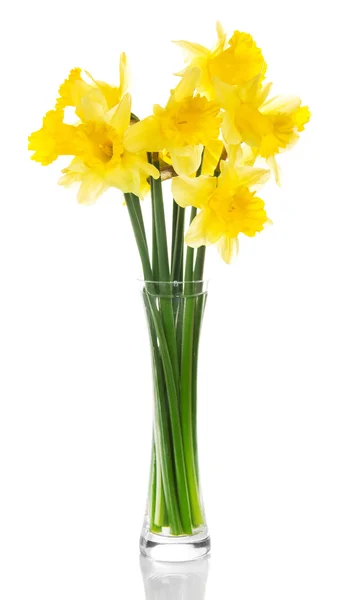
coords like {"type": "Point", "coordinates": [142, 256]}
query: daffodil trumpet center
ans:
{"type": "Point", "coordinates": [107, 150]}
{"type": "Point", "coordinates": [192, 121]}
{"type": "Point", "coordinates": [98, 142]}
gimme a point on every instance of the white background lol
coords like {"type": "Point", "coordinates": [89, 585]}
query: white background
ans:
{"type": "Point", "coordinates": [277, 384]}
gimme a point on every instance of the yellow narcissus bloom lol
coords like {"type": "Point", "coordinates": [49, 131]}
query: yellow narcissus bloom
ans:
{"type": "Point", "coordinates": [268, 126]}
{"type": "Point", "coordinates": [75, 89]}
{"type": "Point", "coordinates": [182, 128]}
{"type": "Point", "coordinates": [240, 62]}
{"type": "Point", "coordinates": [101, 159]}
{"type": "Point", "coordinates": [227, 204]}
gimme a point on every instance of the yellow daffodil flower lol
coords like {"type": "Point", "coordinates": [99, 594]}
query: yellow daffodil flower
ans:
{"type": "Point", "coordinates": [227, 204]}
{"type": "Point", "coordinates": [236, 64]}
{"type": "Point", "coordinates": [182, 128]}
{"type": "Point", "coordinates": [268, 126]}
{"type": "Point", "coordinates": [101, 159]}
{"type": "Point", "coordinates": [75, 90]}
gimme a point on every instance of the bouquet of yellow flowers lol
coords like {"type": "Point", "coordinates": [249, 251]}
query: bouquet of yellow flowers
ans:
{"type": "Point", "coordinates": [218, 139]}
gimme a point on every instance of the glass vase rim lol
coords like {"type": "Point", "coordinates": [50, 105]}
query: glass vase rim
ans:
{"type": "Point", "coordinates": [175, 289]}
{"type": "Point", "coordinates": [174, 282]}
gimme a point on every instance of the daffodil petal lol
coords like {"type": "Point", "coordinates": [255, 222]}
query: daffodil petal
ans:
{"type": "Point", "coordinates": [229, 130]}
{"type": "Point", "coordinates": [191, 50]}
{"type": "Point", "coordinates": [228, 248]}
{"type": "Point", "coordinates": [250, 177]}
{"type": "Point", "coordinates": [226, 95]}
{"type": "Point", "coordinates": [229, 178]}
{"type": "Point", "coordinates": [193, 192]}
{"type": "Point", "coordinates": [281, 104]}
{"type": "Point", "coordinates": [249, 91]}
{"type": "Point", "coordinates": [186, 161]}
{"type": "Point", "coordinates": [112, 94]}
{"type": "Point", "coordinates": [212, 154]}
{"type": "Point", "coordinates": [235, 154]}
{"type": "Point", "coordinates": [187, 85]}
{"type": "Point", "coordinates": [204, 230]}
{"type": "Point", "coordinates": [54, 139]}
{"type": "Point", "coordinates": [138, 162]}
{"type": "Point", "coordinates": [91, 107]}
{"type": "Point", "coordinates": [262, 95]}
{"type": "Point", "coordinates": [273, 165]}
{"type": "Point", "coordinates": [121, 118]}
{"type": "Point", "coordinates": [124, 78]}
{"type": "Point", "coordinates": [301, 117]}
{"type": "Point", "coordinates": [72, 90]}
{"type": "Point", "coordinates": [144, 135]}
{"type": "Point", "coordinates": [91, 188]}
{"type": "Point", "coordinates": [126, 180]}
{"type": "Point", "coordinates": [221, 37]}
{"type": "Point", "coordinates": [249, 155]}
{"type": "Point", "coordinates": [75, 172]}
{"type": "Point", "coordinates": [195, 236]}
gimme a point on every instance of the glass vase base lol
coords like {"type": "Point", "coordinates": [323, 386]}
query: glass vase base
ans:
{"type": "Point", "coordinates": [167, 548]}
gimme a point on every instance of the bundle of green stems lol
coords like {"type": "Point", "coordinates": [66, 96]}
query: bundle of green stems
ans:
{"type": "Point", "coordinates": [174, 298]}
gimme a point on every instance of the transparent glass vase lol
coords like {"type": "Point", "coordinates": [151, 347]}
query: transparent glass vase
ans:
{"type": "Point", "coordinates": [175, 581]}
{"type": "Point", "coordinates": [175, 526]}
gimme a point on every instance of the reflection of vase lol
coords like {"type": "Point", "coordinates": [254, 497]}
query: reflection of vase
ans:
{"type": "Point", "coordinates": [175, 581]}
{"type": "Point", "coordinates": [175, 526]}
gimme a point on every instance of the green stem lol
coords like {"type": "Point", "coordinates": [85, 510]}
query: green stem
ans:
{"type": "Point", "coordinates": [174, 222]}
{"type": "Point", "coordinates": [188, 374]}
{"type": "Point", "coordinates": [167, 471]}
{"type": "Point", "coordinates": [177, 275]}
{"type": "Point", "coordinates": [153, 491]}
{"type": "Point", "coordinates": [199, 311]}
{"type": "Point", "coordinates": [156, 493]}
{"type": "Point", "coordinates": [163, 428]}
{"type": "Point", "coordinates": [162, 434]}
{"type": "Point", "coordinates": [200, 304]}
{"type": "Point", "coordinates": [137, 204]}
{"type": "Point", "coordinates": [155, 269]}
{"type": "Point", "coordinates": [180, 469]}
{"type": "Point", "coordinates": [174, 439]}
{"type": "Point", "coordinates": [186, 409]}
{"type": "Point", "coordinates": [140, 239]}
{"type": "Point", "coordinates": [159, 501]}
{"type": "Point", "coordinates": [163, 264]}
{"type": "Point", "coordinates": [189, 259]}
{"type": "Point", "coordinates": [199, 264]}
{"type": "Point", "coordinates": [160, 222]}
{"type": "Point", "coordinates": [178, 242]}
